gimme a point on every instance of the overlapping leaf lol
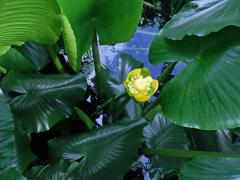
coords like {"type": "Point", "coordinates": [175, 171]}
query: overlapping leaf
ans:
{"type": "Point", "coordinates": [43, 99]}
{"type": "Point", "coordinates": [104, 153]}
{"type": "Point", "coordinates": [201, 17]}
{"type": "Point", "coordinates": [29, 57]}
{"type": "Point", "coordinates": [114, 20]}
{"type": "Point", "coordinates": [27, 20]}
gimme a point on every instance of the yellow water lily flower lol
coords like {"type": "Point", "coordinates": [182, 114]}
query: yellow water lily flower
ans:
{"type": "Point", "coordinates": [140, 85]}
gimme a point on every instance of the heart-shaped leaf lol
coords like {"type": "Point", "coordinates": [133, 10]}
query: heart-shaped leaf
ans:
{"type": "Point", "coordinates": [43, 99]}
{"type": "Point", "coordinates": [201, 17]}
{"type": "Point", "coordinates": [103, 153]}
{"type": "Point", "coordinates": [205, 94]}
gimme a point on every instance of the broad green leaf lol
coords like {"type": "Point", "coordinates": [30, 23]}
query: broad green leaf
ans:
{"type": "Point", "coordinates": [192, 47]}
{"type": "Point", "coordinates": [103, 153]}
{"type": "Point", "coordinates": [7, 139]}
{"type": "Point", "coordinates": [162, 134]}
{"type": "Point", "coordinates": [70, 43]}
{"type": "Point", "coordinates": [11, 174]}
{"type": "Point", "coordinates": [205, 94]}
{"type": "Point", "coordinates": [29, 57]}
{"type": "Point", "coordinates": [201, 17]}
{"type": "Point", "coordinates": [43, 100]}
{"type": "Point", "coordinates": [203, 168]}
{"type": "Point", "coordinates": [114, 20]}
{"type": "Point", "coordinates": [27, 20]}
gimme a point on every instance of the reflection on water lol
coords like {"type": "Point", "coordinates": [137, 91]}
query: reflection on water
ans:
{"type": "Point", "coordinates": [138, 47]}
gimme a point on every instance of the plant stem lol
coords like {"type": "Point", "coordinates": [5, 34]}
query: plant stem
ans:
{"type": "Point", "coordinates": [167, 71]}
{"type": "Point", "coordinates": [187, 154]}
{"type": "Point", "coordinates": [151, 6]}
{"type": "Point", "coordinates": [3, 70]}
{"type": "Point", "coordinates": [115, 98]}
{"type": "Point", "coordinates": [55, 59]}
{"type": "Point", "coordinates": [171, 8]}
{"type": "Point", "coordinates": [98, 66]}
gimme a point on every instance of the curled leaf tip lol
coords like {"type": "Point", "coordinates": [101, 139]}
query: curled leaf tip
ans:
{"type": "Point", "coordinates": [140, 85]}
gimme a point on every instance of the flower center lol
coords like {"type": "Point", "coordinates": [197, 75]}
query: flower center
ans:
{"type": "Point", "coordinates": [140, 84]}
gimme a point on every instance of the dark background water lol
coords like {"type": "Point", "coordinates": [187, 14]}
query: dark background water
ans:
{"type": "Point", "coordinates": [138, 47]}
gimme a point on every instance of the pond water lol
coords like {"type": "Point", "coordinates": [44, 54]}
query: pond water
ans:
{"type": "Point", "coordinates": [138, 47]}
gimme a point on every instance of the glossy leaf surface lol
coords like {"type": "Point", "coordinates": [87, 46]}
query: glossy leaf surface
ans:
{"type": "Point", "coordinates": [102, 149]}
{"type": "Point", "coordinates": [43, 100]}
{"type": "Point", "coordinates": [27, 20]}
{"type": "Point", "coordinates": [205, 94]}
{"type": "Point", "coordinates": [201, 17]}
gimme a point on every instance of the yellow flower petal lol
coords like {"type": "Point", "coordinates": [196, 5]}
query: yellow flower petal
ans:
{"type": "Point", "coordinates": [140, 85]}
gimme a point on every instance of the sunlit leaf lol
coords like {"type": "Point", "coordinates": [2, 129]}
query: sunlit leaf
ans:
{"type": "Point", "coordinates": [27, 20]}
